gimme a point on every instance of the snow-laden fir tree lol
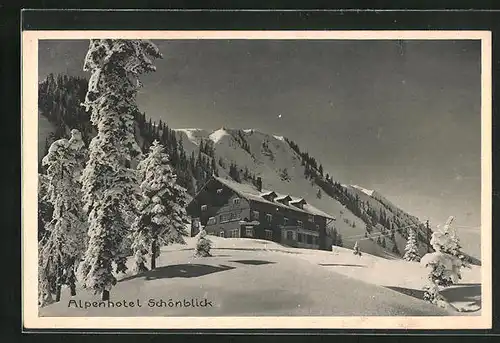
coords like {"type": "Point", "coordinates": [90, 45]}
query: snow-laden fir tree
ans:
{"type": "Point", "coordinates": [444, 264]}
{"type": "Point", "coordinates": [411, 249]}
{"type": "Point", "coordinates": [109, 184]}
{"type": "Point", "coordinates": [356, 249]}
{"type": "Point", "coordinates": [162, 217]}
{"type": "Point", "coordinates": [203, 244]}
{"type": "Point", "coordinates": [63, 244]}
{"type": "Point", "coordinates": [446, 241]}
{"type": "Point", "coordinates": [45, 208]}
{"type": "Point", "coordinates": [443, 270]}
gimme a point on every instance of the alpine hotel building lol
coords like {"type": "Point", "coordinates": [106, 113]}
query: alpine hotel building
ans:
{"type": "Point", "coordinates": [230, 209]}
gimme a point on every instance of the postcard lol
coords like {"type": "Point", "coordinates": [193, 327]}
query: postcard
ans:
{"type": "Point", "coordinates": [256, 179]}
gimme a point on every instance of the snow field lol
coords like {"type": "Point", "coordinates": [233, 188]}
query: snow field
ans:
{"type": "Point", "coordinates": [247, 277]}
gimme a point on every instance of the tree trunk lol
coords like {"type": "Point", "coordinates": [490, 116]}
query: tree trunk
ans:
{"type": "Point", "coordinates": [58, 292]}
{"type": "Point", "coordinates": [105, 295]}
{"type": "Point", "coordinates": [58, 280]}
{"type": "Point", "coordinates": [153, 255]}
{"type": "Point", "coordinates": [71, 277]}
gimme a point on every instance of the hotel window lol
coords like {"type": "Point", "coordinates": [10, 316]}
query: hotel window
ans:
{"type": "Point", "coordinates": [235, 216]}
{"type": "Point", "coordinates": [285, 221]}
{"type": "Point", "coordinates": [235, 233]}
{"type": "Point", "coordinates": [212, 221]}
{"type": "Point", "coordinates": [255, 214]}
{"type": "Point", "coordinates": [269, 217]}
{"type": "Point", "coordinates": [289, 235]}
{"type": "Point", "coordinates": [299, 237]}
{"type": "Point", "coordinates": [299, 224]}
{"type": "Point", "coordinates": [203, 207]}
{"type": "Point", "coordinates": [224, 218]}
{"type": "Point", "coordinates": [249, 232]}
{"type": "Point", "coordinates": [311, 218]}
{"type": "Point", "coordinates": [309, 239]}
{"type": "Point", "coordinates": [195, 223]}
{"type": "Point", "coordinates": [317, 227]}
{"type": "Point", "coordinates": [219, 191]}
{"type": "Point", "coordinates": [236, 201]}
{"type": "Point", "coordinates": [269, 234]}
{"type": "Point", "coordinates": [221, 234]}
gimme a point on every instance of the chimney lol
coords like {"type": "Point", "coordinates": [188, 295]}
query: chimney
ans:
{"type": "Point", "coordinates": [259, 184]}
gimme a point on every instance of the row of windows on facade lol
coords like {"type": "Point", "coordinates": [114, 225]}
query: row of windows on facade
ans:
{"type": "Point", "coordinates": [301, 238]}
{"type": "Point", "coordinates": [235, 233]}
{"type": "Point", "coordinates": [236, 201]}
{"type": "Point", "coordinates": [226, 217]}
{"type": "Point", "coordinates": [255, 215]}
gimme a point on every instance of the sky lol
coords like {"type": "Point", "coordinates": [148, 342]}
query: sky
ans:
{"type": "Point", "coordinates": [402, 118]}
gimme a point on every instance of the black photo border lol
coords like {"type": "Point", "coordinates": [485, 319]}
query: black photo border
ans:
{"type": "Point", "coordinates": [303, 19]}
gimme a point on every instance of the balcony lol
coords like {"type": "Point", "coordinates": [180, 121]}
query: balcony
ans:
{"type": "Point", "coordinates": [290, 236]}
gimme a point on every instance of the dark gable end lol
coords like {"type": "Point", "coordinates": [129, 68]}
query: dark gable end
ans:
{"type": "Point", "coordinates": [298, 203]}
{"type": "Point", "coordinates": [284, 200]}
{"type": "Point", "coordinates": [269, 196]}
{"type": "Point", "coordinates": [212, 194]}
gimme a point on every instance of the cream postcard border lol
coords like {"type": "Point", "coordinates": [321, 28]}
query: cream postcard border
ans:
{"type": "Point", "coordinates": [29, 129]}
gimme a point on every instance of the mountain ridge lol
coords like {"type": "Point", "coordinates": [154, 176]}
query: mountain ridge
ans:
{"type": "Point", "coordinates": [282, 168]}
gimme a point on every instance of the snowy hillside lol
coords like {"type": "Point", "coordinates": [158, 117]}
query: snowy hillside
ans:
{"type": "Point", "coordinates": [400, 218]}
{"type": "Point", "coordinates": [278, 281]}
{"type": "Point", "coordinates": [282, 170]}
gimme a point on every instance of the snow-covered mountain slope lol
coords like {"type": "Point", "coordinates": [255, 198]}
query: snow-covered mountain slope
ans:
{"type": "Point", "coordinates": [401, 219]}
{"type": "Point", "coordinates": [281, 169]}
{"type": "Point", "coordinates": [368, 192]}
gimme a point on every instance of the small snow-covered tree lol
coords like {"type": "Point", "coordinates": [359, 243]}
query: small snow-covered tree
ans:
{"type": "Point", "coordinates": [284, 174]}
{"type": "Point", "coordinates": [162, 218]}
{"type": "Point", "coordinates": [203, 244]}
{"type": "Point", "coordinates": [318, 194]}
{"type": "Point", "coordinates": [444, 265]}
{"type": "Point", "coordinates": [446, 241]}
{"type": "Point", "coordinates": [64, 241]}
{"type": "Point", "coordinates": [356, 249]}
{"type": "Point", "coordinates": [443, 270]}
{"type": "Point", "coordinates": [109, 184]}
{"type": "Point", "coordinates": [411, 249]}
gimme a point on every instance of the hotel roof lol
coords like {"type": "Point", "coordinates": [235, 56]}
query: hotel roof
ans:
{"type": "Point", "coordinates": [251, 193]}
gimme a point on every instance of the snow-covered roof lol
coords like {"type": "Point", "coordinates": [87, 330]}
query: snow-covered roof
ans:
{"type": "Point", "coordinates": [284, 197]}
{"type": "Point", "coordinates": [268, 193]}
{"type": "Point", "coordinates": [298, 201]}
{"type": "Point", "coordinates": [251, 193]}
